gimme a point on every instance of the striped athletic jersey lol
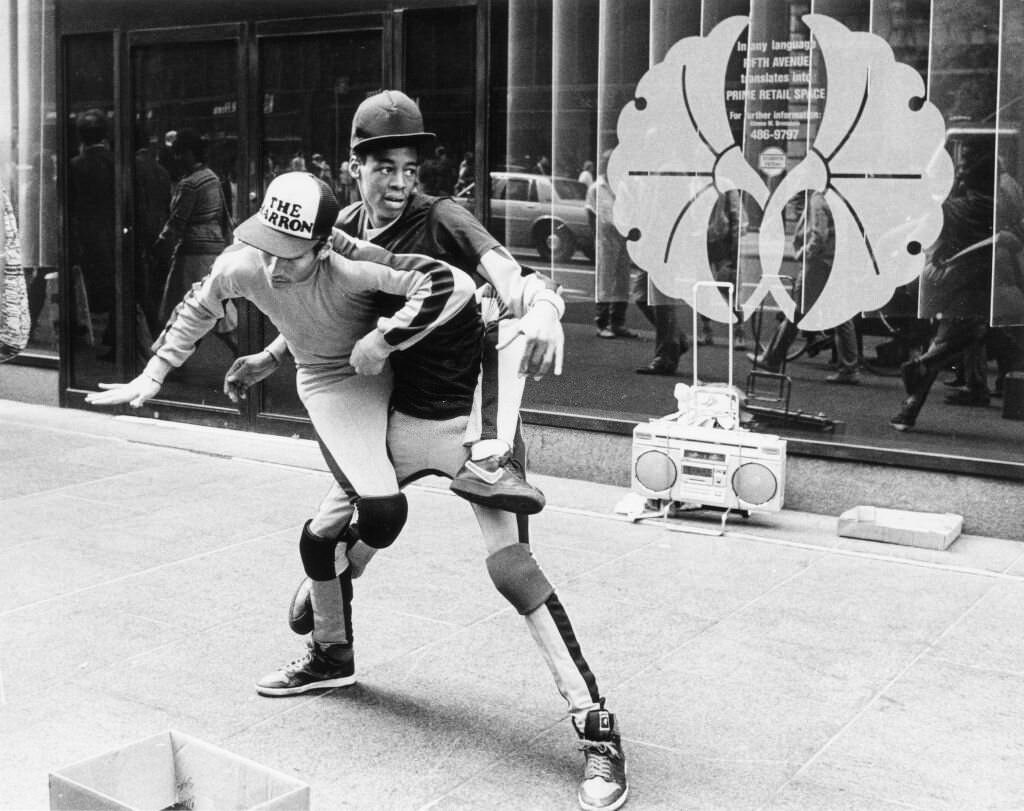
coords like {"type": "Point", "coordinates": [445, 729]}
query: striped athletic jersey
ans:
{"type": "Point", "coordinates": [436, 378]}
{"type": "Point", "coordinates": [322, 316]}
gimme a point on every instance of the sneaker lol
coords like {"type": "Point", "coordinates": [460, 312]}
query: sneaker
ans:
{"type": "Point", "coordinates": [658, 366]}
{"type": "Point", "coordinates": [905, 419]}
{"type": "Point", "coordinates": [604, 332]}
{"type": "Point", "coordinates": [498, 482]}
{"type": "Point", "coordinates": [620, 331]}
{"type": "Point", "coordinates": [322, 667]}
{"type": "Point", "coordinates": [604, 786]}
{"type": "Point", "coordinates": [844, 378]}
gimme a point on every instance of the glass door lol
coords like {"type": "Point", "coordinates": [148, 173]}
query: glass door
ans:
{"type": "Point", "coordinates": [185, 166]}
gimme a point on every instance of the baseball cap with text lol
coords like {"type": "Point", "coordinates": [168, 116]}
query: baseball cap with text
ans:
{"type": "Point", "coordinates": [298, 210]}
{"type": "Point", "coordinates": [388, 118]}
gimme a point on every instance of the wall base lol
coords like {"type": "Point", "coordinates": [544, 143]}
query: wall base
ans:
{"type": "Point", "coordinates": [990, 507]}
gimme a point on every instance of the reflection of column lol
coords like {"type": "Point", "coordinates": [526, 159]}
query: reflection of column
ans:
{"type": "Point", "coordinates": [671, 21]}
{"type": "Point", "coordinates": [963, 84]}
{"type": "Point", "coordinates": [35, 186]}
{"type": "Point", "coordinates": [623, 59]}
{"type": "Point", "coordinates": [529, 74]}
{"type": "Point", "coordinates": [1008, 277]}
{"type": "Point", "coordinates": [574, 87]}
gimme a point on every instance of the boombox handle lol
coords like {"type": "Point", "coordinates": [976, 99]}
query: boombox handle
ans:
{"type": "Point", "coordinates": [728, 286]}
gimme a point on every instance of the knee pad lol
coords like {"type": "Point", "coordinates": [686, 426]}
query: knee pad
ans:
{"type": "Point", "coordinates": [317, 555]}
{"type": "Point", "coordinates": [381, 518]}
{"type": "Point", "coordinates": [519, 578]}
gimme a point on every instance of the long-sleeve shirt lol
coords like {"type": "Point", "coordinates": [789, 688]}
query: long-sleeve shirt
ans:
{"type": "Point", "coordinates": [323, 316]}
{"type": "Point", "coordinates": [197, 215]}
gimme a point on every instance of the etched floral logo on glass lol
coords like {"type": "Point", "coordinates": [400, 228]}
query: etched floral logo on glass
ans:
{"type": "Point", "coordinates": [876, 154]}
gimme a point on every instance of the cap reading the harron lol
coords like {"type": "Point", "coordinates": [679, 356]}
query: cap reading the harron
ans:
{"type": "Point", "coordinates": [386, 119]}
{"type": "Point", "coordinates": [297, 211]}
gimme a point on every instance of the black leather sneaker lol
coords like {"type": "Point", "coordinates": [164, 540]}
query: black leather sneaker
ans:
{"type": "Point", "coordinates": [498, 482]}
{"type": "Point", "coordinates": [604, 786]}
{"type": "Point", "coordinates": [905, 418]}
{"type": "Point", "coordinates": [322, 667]}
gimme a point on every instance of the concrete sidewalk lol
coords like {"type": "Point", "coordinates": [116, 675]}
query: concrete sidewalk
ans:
{"type": "Point", "coordinates": [146, 568]}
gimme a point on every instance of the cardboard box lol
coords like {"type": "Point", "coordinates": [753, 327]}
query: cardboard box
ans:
{"type": "Point", "coordinates": [926, 530]}
{"type": "Point", "coordinates": [171, 771]}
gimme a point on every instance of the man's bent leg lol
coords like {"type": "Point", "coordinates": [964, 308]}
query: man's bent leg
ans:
{"type": "Point", "coordinates": [493, 476]}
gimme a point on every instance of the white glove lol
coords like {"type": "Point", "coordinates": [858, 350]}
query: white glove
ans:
{"type": "Point", "coordinates": [545, 340]}
{"type": "Point", "coordinates": [370, 354]}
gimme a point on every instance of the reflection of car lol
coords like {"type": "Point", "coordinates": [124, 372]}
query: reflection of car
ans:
{"type": "Point", "coordinates": [545, 213]}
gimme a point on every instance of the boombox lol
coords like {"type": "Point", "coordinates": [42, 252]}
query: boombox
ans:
{"type": "Point", "coordinates": [676, 461]}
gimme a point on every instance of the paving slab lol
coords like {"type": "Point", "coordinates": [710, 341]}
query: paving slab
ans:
{"type": "Point", "coordinates": [146, 568]}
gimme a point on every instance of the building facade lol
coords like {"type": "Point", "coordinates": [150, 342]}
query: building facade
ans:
{"type": "Point", "coordinates": [719, 128]}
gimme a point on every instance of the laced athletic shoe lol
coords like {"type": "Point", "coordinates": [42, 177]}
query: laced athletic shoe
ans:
{"type": "Point", "coordinates": [498, 482]}
{"type": "Point", "coordinates": [905, 419]}
{"type": "Point", "coordinates": [322, 667]}
{"type": "Point", "coordinates": [604, 785]}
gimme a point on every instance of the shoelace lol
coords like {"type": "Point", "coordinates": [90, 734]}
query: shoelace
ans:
{"type": "Point", "coordinates": [508, 461]}
{"type": "Point", "coordinates": [599, 756]}
{"type": "Point", "coordinates": [301, 662]}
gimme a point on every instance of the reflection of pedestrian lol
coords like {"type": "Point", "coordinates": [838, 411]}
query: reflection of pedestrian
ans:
{"type": "Point", "coordinates": [612, 279]}
{"type": "Point", "coordinates": [195, 230]}
{"type": "Point", "coordinates": [466, 172]}
{"type": "Point", "coordinates": [586, 176]}
{"type": "Point", "coordinates": [724, 227]}
{"type": "Point", "coordinates": [814, 244]}
{"type": "Point", "coordinates": [152, 205]}
{"type": "Point", "coordinates": [956, 284]}
{"type": "Point", "coordinates": [14, 316]}
{"type": "Point", "coordinates": [669, 342]}
{"type": "Point", "coordinates": [437, 174]}
{"type": "Point", "coordinates": [91, 210]}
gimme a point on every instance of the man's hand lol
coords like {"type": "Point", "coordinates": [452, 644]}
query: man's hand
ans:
{"type": "Point", "coordinates": [135, 392]}
{"type": "Point", "coordinates": [246, 372]}
{"type": "Point", "coordinates": [370, 354]}
{"type": "Point", "coordinates": [545, 341]}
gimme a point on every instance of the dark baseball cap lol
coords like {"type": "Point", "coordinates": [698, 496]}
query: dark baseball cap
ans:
{"type": "Point", "coordinates": [389, 118]}
{"type": "Point", "coordinates": [298, 210]}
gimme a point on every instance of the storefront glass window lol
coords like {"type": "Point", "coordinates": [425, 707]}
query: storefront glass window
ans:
{"type": "Point", "coordinates": [89, 282]}
{"type": "Point", "coordinates": [185, 173]}
{"type": "Point", "coordinates": [838, 136]}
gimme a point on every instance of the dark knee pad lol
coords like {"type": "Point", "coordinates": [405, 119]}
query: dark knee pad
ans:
{"type": "Point", "coordinates": [519, 578]}
{"type": "Point", "coordinates": [317, 555]}
{"type": "Point", "coordinates": [381, 518]}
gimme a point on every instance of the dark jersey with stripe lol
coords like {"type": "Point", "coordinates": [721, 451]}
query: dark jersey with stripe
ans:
{"type": "Point", "coordinates": [435, 378]}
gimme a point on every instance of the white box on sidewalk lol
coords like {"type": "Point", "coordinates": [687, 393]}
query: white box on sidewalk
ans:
{"type": "Point", "coordinates": [172, 770]}
{"type": "Point", "coordinates": [925, 530]}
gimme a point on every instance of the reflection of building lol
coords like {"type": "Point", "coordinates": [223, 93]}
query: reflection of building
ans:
{"type": "Point", "coordinates": [551, 79]}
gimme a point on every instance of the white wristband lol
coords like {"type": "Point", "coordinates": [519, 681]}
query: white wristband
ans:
{"type": "Point", "coordinates": [552, 298]}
